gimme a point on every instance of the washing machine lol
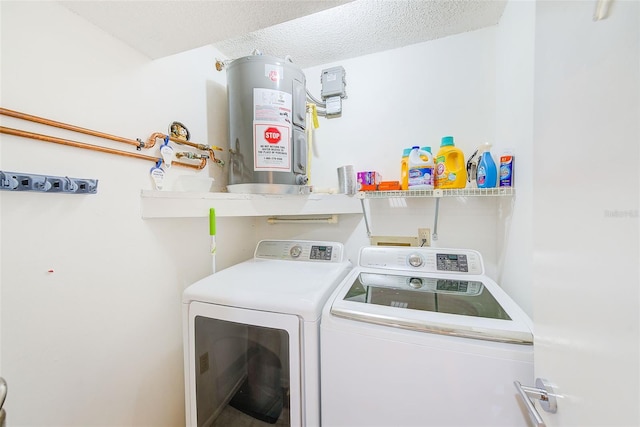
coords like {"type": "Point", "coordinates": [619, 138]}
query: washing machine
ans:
{"type": "Point", "coordinates": [251, 336]}
{"type": "Point", "coordinates": [422, 337]}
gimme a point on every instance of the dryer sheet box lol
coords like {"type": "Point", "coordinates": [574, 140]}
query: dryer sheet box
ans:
{"type": "Point", "coordinates": [368, 180]}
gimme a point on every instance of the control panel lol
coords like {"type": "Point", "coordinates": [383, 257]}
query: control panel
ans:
{"type": "Point", "coordinates": [424, 260]}
{"type": "Point", "coordinates": [300, 250]}
{"type": "Point", "coordinates": [428, 284]}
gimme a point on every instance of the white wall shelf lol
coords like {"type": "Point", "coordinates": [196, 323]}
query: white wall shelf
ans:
{"type": "Point", "coordinates": [178, 204]}
{"type": "Point", "coordinates": [175, 204]}
{"type": "Point", "coordinates": [437, 194]}
{"type": "Point", "coordinates": [458, 192]}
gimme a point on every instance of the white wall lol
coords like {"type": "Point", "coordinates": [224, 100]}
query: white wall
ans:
{"type": "Point", "coordinates": [414, 96]}
{"type": "Point", "coordinates": [514, 131]}
{"type": "Point", "coordinates": [409, 96]}
{"type": "Point", "coordinates": [98, 341]}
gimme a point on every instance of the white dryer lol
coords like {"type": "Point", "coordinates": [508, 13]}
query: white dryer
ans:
{"type": "Point", "coordinates": [421, 337]}
{"type": "Point", "coordinates": [251, 336]}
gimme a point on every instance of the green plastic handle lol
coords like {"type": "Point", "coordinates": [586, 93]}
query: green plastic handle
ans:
{"type": "Point", "coordinates": [212, 222]}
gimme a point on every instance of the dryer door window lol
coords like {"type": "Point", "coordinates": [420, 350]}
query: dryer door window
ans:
{"type": "Point", "coordinates": [243, 371]}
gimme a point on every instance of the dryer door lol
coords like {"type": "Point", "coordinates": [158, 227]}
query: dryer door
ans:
{"type": "Point", "coordinates": [242, 364]}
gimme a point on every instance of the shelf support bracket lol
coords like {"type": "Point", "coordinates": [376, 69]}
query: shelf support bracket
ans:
{"type": "Point", "coordinates": [364, 214]}
{"type": "Point", "coordinates": [438, 195]}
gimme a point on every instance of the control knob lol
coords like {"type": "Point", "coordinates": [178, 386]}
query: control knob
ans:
{"type": "Point", "coordinates": [415, 282]}
{"type": "Point", "coordinates": [295, 251]}
{"type": "Point", "coordinates": [415, 260]}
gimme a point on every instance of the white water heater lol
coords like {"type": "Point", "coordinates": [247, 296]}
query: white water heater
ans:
{"type": "Point", "coordinates": [267, 119]}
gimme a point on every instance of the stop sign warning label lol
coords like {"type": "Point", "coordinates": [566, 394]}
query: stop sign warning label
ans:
{"type": "Point", "coordinates": [272, 147]}
{"type": "Point", "coordinates": [272, 135]}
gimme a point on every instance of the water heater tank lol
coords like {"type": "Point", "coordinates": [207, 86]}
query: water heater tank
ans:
{"type": "Point", "coordinates": [267, 119]}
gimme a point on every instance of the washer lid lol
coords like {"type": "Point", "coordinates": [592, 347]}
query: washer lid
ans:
{"type": "Point", "coordinates": [474, 307]}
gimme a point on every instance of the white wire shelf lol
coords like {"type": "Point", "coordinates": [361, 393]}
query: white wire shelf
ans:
{"type": "Point", "coordinates": [437, 194]}
{"type": "Point", "coordinates": [458, 192]}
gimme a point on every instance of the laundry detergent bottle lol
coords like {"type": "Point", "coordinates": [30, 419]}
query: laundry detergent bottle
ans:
{"type": "Point", "coordinates": [450, 166]}
{"type": "Point", "coordinates": [421, 169]}
{"type": "Point", "coordinates": [404, 169]}
{"type": "Point", "coordinates": [487, 173]}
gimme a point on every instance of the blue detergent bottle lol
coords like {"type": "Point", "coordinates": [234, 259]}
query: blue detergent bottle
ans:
{"type": "Point", "coordinates": [487, 175]}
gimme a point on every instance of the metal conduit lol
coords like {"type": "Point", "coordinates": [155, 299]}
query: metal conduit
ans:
{"type": "Point", "coordinates": [68, 142]}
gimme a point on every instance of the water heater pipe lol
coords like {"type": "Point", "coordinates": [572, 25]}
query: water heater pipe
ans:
{"type": "Point", "coordinates": [137, 143]}
{"type": "Point", "coordinates": [202, 147]}
{"type": "Point", "coordinates": [68, 142]}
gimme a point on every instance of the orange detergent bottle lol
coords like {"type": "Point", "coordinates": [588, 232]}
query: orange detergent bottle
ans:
{"type": "Point", "coordinates": [450, 167]}
{"type": "Point", "coordinates": [404, 169]}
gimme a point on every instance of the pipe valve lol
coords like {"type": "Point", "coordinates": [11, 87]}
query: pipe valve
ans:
{"type": "Point", "coordinates": [190, 155]}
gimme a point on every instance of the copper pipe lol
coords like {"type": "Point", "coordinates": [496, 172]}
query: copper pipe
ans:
{"type": "Point", "coordinates": [152, 139]}
{"type": "Point", "coordinates": [68, 142]}
{"type": "Point", "coordinates": [202, 147]}
{"type": "Point", "coordinates": [203, 163]}
{"type": "Point", "coordinates": [36, 119]}
{"type": "Point", "coordinates": [212, 156]}
{"type": "Point", "coordinates": [190, 155]}
{"type": "Point", "coordinates": [189, 143]}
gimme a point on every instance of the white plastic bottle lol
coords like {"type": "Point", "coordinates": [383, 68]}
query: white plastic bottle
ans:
{"type": "Point", "coordinates": [421, 169]}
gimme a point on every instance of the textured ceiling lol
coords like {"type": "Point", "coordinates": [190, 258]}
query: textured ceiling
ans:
{"type": "Point", "coordinates": [310, 32]}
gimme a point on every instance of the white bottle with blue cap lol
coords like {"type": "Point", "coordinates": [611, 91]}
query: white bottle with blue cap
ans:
{"type": "Point", "coordinates": [420, 168]}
